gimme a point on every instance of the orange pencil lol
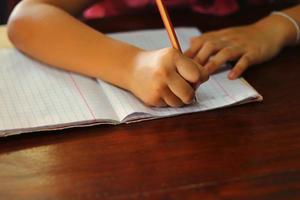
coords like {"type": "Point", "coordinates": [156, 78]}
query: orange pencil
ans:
{"type": "Point", "coordinates": [168, 25]}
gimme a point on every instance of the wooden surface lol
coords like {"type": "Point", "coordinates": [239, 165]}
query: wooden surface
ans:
{"type": "Point", "coordinates": [248, 152]}
{"type": "Point", "coordinates": [4, 41]}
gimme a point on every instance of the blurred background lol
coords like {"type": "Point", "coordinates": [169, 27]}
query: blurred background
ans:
{"type": "Point", "coordinates": [5, 8]}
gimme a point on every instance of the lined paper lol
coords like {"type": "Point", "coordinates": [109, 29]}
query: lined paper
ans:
{"type": "Point", "coordinates": [34, 95]}
{"type": "Point", "coordinates": [217, 92]}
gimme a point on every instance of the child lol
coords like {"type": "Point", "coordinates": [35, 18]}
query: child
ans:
{"type": "Point", "coordinates": [47, 31]}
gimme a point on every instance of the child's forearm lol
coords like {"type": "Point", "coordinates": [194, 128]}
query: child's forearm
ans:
{"type": "Point", "coordinates": [51, 35]}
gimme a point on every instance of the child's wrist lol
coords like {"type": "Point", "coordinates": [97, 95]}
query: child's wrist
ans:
{"type": "Point", "coordinates": [291, 21]}
{"type": "Point", "coordinates": [278, 28]}
{"type": "Point", "coordinates": [131, 66]}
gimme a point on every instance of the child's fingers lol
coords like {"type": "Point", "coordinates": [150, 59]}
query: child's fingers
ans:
{"type": "Point", "coordinates": [156, 102]}
{"type": "Point", "coordinates": [208, 49]}
{"type": "Point", "coordinates": [181, 88]}
{"type": "Point", "coordinates": [171, 99]}
{"type": "Point", "coordinates": [223, 56]}
{"type": "Point", "coordinates": [244, 62]}
{"type": "Point", "coordinates": [195, 44]}
{"type": "Point", "coordinates": [188, 69]}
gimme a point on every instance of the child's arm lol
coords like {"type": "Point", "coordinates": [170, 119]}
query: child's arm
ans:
{"type": "Point", "coordinates": [248, 45]}
{"type": "Point", "coordinates": [47, 31]}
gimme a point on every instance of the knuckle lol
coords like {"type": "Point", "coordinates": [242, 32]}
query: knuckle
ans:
{"type": "Point", "coordinates": [158, 89]}
{"type": "Point", "coordinates": [171, 55]}
{"type": "Point", "coordinates": [210, 45]}
{"type": "Point", "coordinates": [174, 54]}
{"type": "Point", "coordinates": [171, 52]}
{"type": "Point", "coordinates": [162, 73]}
{"type": "Point", "coordinates": [227, 52]}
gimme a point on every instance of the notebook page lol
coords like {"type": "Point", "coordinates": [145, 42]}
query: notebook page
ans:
{"type": "Point", "coordinates": [215, 93]}
{"type": "Point", "coordinates": [37, 97]}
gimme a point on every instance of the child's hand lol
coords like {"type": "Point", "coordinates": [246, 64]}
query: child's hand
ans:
{"type": "Point", "coordinates": [248, 45]}
{"type": "Point", "coordinates": [165, 77]}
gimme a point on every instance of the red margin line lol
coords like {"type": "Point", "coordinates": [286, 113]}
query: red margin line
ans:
{"type": "Point", "coordinates": [82, 96]}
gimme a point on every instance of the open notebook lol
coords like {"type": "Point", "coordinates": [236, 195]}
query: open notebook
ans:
{"type": "Point", "coordinates": [35, 97]}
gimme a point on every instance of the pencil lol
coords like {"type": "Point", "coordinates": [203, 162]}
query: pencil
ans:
{"type": "Point", "coordinates": [168, 24]}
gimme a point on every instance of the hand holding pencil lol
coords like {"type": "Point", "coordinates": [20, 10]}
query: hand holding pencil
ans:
{"type": "Point", "coordinates": [170, 28]}
{"type": "Point", "coordinates": [167, 75]}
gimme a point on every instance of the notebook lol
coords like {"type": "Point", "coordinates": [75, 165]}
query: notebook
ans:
{"type": "Point", "coordinates": [36, 97]}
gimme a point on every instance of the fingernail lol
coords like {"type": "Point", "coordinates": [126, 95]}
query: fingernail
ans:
{"type": "Point", "coordinates": [232, 75]}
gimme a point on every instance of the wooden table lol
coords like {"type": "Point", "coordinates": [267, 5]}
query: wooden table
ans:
{"type": "Point", "coordinates": [4, 41]}
{"type": "Point", "coordinates": [249, 152]}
